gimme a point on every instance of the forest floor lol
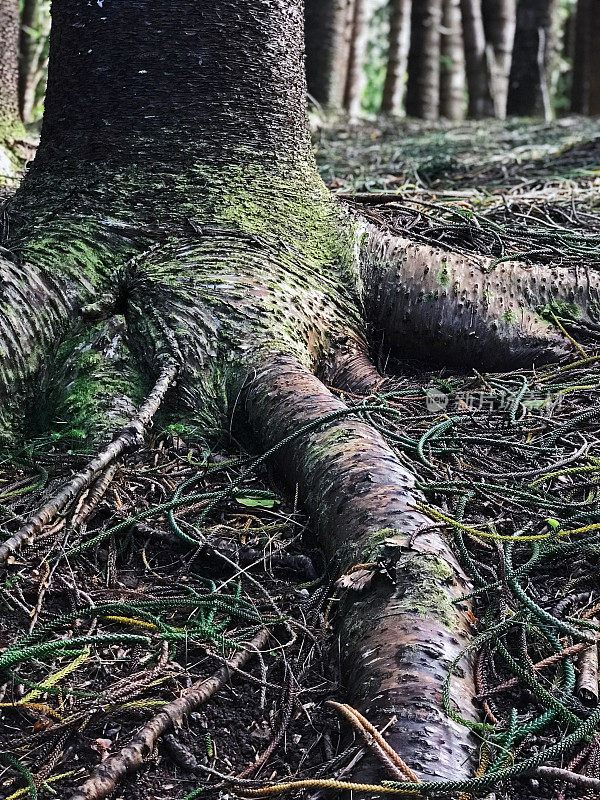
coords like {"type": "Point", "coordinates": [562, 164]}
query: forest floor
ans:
{"type": "Point", "coordinates": [177, 557]}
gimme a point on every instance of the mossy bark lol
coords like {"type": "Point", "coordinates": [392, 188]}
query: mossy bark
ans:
{"type": "Point", "coordinates": [470, 311]}
{"type": "Point", "coordinates": [204, 231]}
{"type": "Point", "coordinates": [400, 635]}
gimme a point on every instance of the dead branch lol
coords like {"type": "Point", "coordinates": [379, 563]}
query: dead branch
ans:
{"type": "Point", "coordinates": [111, 772]}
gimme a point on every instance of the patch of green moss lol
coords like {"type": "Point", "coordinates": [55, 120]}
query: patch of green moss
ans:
{"type": "Point", "coordinates": [91, 386]}
{"type": "Point", "coordinates": [423, 576]}
{"type": "Point", "coordinates": [561, 309]}
{"type": "Point", "coordinates": [443, 276]}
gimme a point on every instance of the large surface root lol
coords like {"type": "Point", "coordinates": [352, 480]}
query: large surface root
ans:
{"type": "Point", "coordinates": [465, 311]}
{"type": "Point", "coordinates": [402, 629]}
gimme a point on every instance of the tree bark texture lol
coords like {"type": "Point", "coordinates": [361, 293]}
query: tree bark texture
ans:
{"type": "Point", "coordinates": [423, 90]}
{"type": "Point", "coordinates": [452, 81]}
{"type": "Point", "coordinates": [356, 77]}
{"type": "Point", "coordinates": [481, 103]}
{"type": "Point", "coordinates": [397, 61]}
{"type": "Point", "coordinates": [529, 86]}
{"type": "Point", "coordinates": [458, 310]}
{"type": "Point", "coordinates": [500, 18]}
{"type": "Point", "coordinates": [585, 93]}
{"type": "Point", "coordinates": [328, 26]}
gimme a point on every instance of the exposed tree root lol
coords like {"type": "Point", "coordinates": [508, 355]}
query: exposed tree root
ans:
{"type": "Point", "coordinates": [398, 638]}
{"type": "Point", "coordinates": [111, 772]}
{"type": "Point", "coordinates": [127, 438]}
{"type": "Point", "coordinates": [470, 310]}
{"type": "Point", "coordinates": [351, 369]}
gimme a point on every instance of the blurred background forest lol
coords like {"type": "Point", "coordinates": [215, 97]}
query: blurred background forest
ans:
{"type": "Point", "coordinates": [429, 59]}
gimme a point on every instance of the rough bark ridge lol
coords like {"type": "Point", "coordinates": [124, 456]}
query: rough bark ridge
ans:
{"type": "Point", "coordinates": [423, 90]}
{"type": "Point", "coordinates": [452, 84]}
{"type": "Point", "coordinates": [528, 93]}
{"type": "Point", "coordinates": [500, 18]}
{"type": "Point", "coordinates": [397, 62]}
{"type": "Point", "coordinates": [328, 25]}
{"type": "Point", "coordinates": [204, 231]}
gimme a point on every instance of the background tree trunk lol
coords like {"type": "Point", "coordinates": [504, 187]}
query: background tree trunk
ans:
{"type": "Point", "coordinates": [9, 63]}
{"type": "Point", "coordinates": [529, 86]}
{"type": "Point", "coordinates": [32, 62]}
{"type": "Point", "coordinates": [500, 18]}
{"type": "Point", "coordinates": [481, 103]}
{"type": "Point", "coordinates": [452, 82]}
{"type": "Point", "coordinates": [585, 93]}
{"type": "Point", "coordinates": [423, 91]}
{"type": "Point", "coordinates": [356, 78]}
{"type": "Point", "coordinates": [328, 25]}
{"type": "Point", "coordinates": [397, 62]}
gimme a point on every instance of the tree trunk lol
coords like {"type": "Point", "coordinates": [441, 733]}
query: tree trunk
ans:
{"type": "Point", "coordinates": [356, 78]}
{"type": "Point", "coordinates": [500, 24]}
{"type": "Point", "coordinates": [207, 227]}
{"type": "Point", "coordinates": [530, 82]}
{"type": "Point", "coordinates": [328, 27]}
{"type": "Point", "coordinates": [481, 103]}
{"type": "Point", "coordinates": [423, 91]}
{"type": "Point", "coordinates": [452, 82]}
{"type": "Point", "coordinates": [585, 93]}
{"type": "Point", "coordinates": [397, 61]}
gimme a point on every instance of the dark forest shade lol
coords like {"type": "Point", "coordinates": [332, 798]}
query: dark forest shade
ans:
{"type": "Point", "coordinates": [328, 25]}
{"type": "Point", "coordinates": [478, 68]}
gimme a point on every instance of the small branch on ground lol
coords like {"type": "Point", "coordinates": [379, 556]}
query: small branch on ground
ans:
{"type": "Point", "coordinates": [130, 759]}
